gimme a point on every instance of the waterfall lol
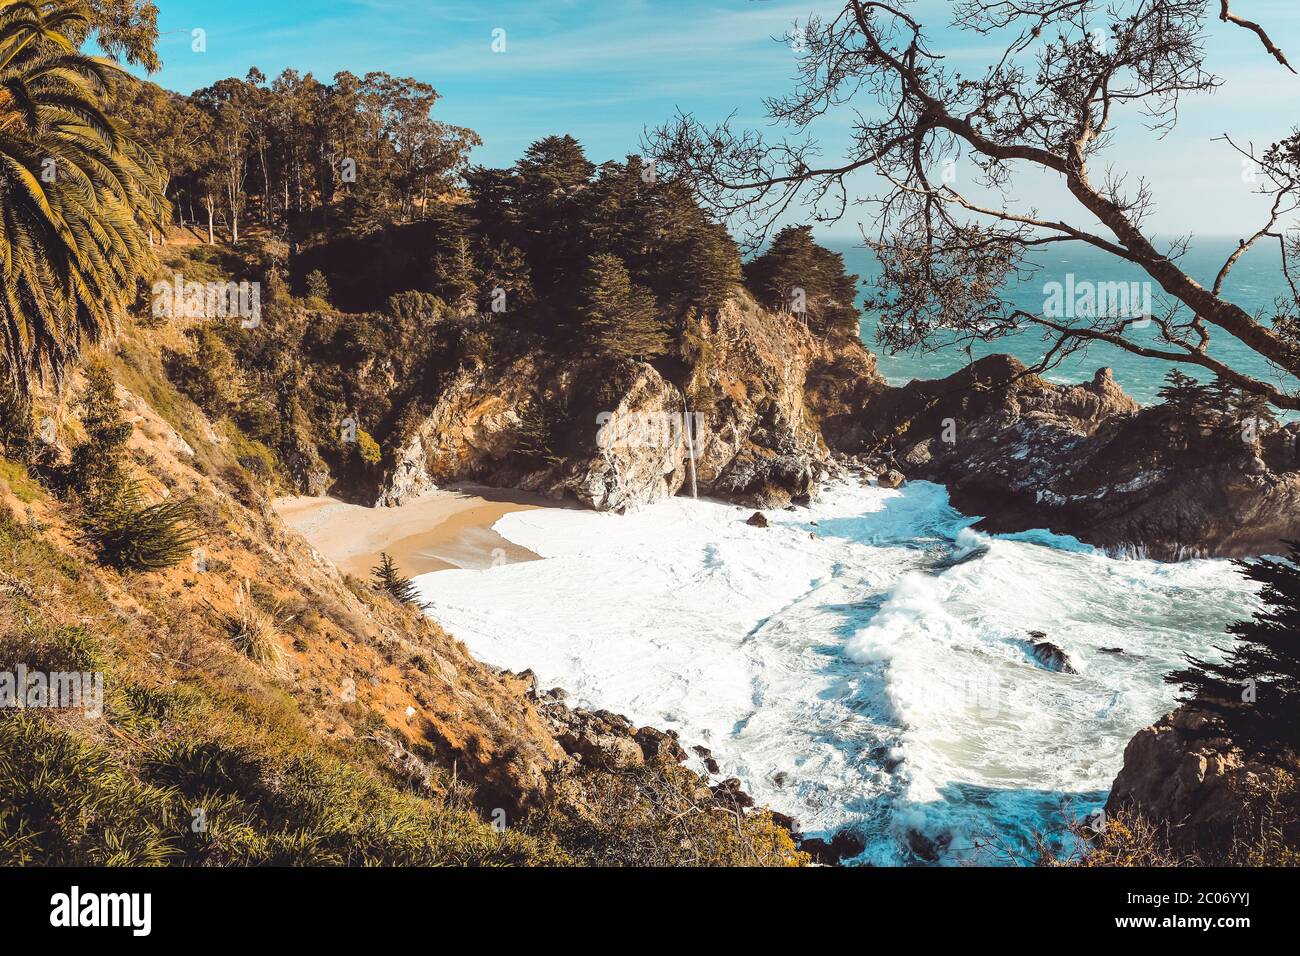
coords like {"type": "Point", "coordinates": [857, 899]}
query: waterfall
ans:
{"type": "Point", "coordinates": [688, 432]}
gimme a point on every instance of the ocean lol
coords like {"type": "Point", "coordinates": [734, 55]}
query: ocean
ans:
{"type": "Point", "coordinates": [864, 663]}
{"type": "Point", "coordinates": [1254, 284]}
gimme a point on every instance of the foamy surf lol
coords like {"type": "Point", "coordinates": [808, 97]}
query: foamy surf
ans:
{"type": "Point", "coordinates": [864, 662]}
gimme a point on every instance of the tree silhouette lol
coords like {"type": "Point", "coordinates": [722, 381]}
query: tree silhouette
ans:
{"type": "Point", "coordinates": [389, 579]}
{"type": "Point", "coordinates": [936, 151]}
{"type": "Point", "coordinates": [1256, 690]}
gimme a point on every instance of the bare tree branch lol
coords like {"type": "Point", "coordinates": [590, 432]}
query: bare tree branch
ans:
{"type": "Point", "coordinates": [1227, 16]}
{"type": "Point", "coordinates": [1049, 101]}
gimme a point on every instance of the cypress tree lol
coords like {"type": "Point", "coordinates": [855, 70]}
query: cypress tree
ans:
{"type": "Point", "coordinates": [389, 579]}
{"type": "Point", "coordinates": [1256, 690]}
{"type": "Point", "coordinates": [619, 317]}
{"type": "Point", "coordinates": [796, 272]}
{"type": "Point", "coordinates": [1185, 396]}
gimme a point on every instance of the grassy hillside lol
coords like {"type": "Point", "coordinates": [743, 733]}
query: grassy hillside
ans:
{"type": "Point", "coordinates": [259, 706]}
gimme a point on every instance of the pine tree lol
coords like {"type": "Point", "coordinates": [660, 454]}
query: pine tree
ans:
{"type": "Point", "coordinates": [389, 579]}
{"type": "Point", "coordinates": [620, 317]}
{"type": "Point", "coordinates": [97, 471]}
{"type": "Point", "coordinates": [707, 266]}
{"type": "Point", "coordinates": [797, 275]}
{"type": "Point", "coordinates": [1256, 690]}
{"type": "Point", "coordinates": [1251, 414]}
{"type": "Point", "coordinates": [456, 278]}
{"type": "Point", "coordinates": [1186, 396]}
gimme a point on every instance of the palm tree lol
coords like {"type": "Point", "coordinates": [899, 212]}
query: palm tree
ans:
{"type": "Point", "coordinates": [77, 196]}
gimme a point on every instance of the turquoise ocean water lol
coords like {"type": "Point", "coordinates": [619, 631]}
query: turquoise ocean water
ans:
{"type": "Point", "coordinates": [1255, 284]}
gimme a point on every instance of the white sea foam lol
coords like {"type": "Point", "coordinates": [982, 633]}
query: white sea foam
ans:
{"type": "Point", "coordinates": [862, 663]}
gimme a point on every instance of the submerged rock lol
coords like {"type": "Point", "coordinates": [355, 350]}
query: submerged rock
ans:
{"type": "Point", "coordinates": [924, 847]}
{"type": "Point", "coordinates": [843, 846]}
{"type": "Point", "coordinates": [1049, 655]}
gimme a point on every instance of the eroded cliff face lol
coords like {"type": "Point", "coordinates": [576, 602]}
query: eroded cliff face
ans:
{"type": "Point", "coordinates": [744, 417]}
{"type": "Point", "coordinates": [1088, 461]}
{"type": "Point", "coordinates": [1184, 773]}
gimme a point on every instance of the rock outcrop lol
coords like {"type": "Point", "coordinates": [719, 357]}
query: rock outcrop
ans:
{"type": "Point", "coordinates": [1184, 773]}
{"type": "Point", "coordinates": [604, 740]}
{"type": "Point", "coordinates": [744, 419]}
{"type": "Point", "coordinates": [1050, 655]}
{"type": "Point", "coordinates": [1088, 461]}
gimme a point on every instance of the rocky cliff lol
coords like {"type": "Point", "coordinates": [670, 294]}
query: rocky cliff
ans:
{"type": "Point", "coordinates": [1206, 794]}
{"type": "Point", "coordinates": [1086, 460]}
{"type": "Point", "coordinates": [747, 419]}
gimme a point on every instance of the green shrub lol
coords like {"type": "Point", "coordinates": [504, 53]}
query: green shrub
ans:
{"type": "Point", "coordinates": [318, 286]}
{"type": "Point", "coordinates": [210, 377]}
{"type": "Point", "coordinates": [367, 448]}
{"type": "Point", "coordinates": [97, 472]}
{"type": "Point", "coordinates": [132, 536]}
{"type": "Point", "coordinates": [17, 426]}
{"type": "Point", "coordinates": [423, 307]}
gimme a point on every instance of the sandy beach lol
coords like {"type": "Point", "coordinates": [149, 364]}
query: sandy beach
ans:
{"type": "Point", "coordinates": [447, 528]}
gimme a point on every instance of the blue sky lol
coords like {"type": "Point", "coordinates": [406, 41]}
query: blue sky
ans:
{"type": "Point", "coordinates": [605, 70]}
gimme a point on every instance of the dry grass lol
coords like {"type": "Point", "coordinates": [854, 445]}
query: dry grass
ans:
{"type": "Point", "coordinates": [255, 632]}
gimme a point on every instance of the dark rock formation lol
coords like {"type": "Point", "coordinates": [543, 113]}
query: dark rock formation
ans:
{"type": "Point", "coordinates": [604, 740]}
{"type": "Point", "coordinates": [706, 757]}
{"type": "Point", "coordinates": [1048, 654]}
{"type": "Point", "coordinates": [729, 790]}
{"type": "Point", "coordinates": [659, 745]}
{"type": "Point", "coordinates": [757, 520]}
{"type": "Point", "coordinates": [1088, 461]}
{"type": "Point", "coordinates": [843, 846]}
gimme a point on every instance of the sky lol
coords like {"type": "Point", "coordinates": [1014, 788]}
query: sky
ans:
{"type": "Point", "coordinates": [604, 71]}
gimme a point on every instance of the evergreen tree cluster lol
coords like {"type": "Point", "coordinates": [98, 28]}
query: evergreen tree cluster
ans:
{"type": "Point", "coordinates": [1216, 404]}
{"type": "Point", "coordinates": [296, 153]}
{"type": "Point", "coordinates": [611, 257]}
{"type": "Point", "coordinates": [1256, 690]}
{"type": "Point", "coordinates": [797, 275]}
{"type": "Point", "coordinates": [575, 227]}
